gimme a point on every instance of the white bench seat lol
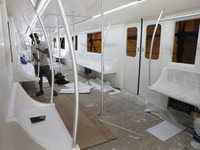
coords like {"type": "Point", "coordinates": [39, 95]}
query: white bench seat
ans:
{"type": "Point", "coordinates": [183, 85]}
{"type": "Point", "coordinates": [50, 134]}
{"type": "Point", "coordinates": [93, 62]}
{"type": "Point", "coordinates": [63, 53]}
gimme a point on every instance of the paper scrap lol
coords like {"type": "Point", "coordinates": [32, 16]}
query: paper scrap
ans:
{"type": "Point", "coordinates": [165, 130]}
{"type": "Point", "coordinates": [83, 88]}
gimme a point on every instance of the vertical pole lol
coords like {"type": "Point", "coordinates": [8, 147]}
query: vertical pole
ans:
{"type": "Point", "coordinates": [59, 43]}
{"type": "Point", "coordinates": [139, 70]}
{"type": "Point", "coordinates": [50, 53]}
{"type": "Point", "coordinates": [73, 31]}
{"type": "Point", "coordinates": [150, 53]}
{"type": "Point", "coordinates": [102, 58]}
{"type": "Point", "coordinates": [75, 72]}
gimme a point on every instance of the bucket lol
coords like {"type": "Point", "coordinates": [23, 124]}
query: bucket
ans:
{"type": "Point", "coordinates": [196, 135]}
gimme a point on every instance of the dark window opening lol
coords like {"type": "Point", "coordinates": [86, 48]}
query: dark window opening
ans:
{"type": "Point", "coordinates": [131, 45]}
{"type": "Point", "coordinates": [156, 44]}
{"type": "Point", "coordinates": [94, 42]}
{"type": "Point", "coordinates": [76, 42]}
{"type": "Point", "coordinates": [62, 43]}
{"type": "Point", "coordinates": [180, 106]}
{"type": "Point", "coordinates": [185, 41]}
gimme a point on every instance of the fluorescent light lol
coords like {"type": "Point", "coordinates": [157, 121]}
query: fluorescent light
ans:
{"type": "Point", "coordinates": [118, 8]}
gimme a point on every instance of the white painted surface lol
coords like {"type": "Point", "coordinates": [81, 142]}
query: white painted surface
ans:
{"type": "Point", "coordinates": [113, 50]}
{"type": "Point", "coordinates": [4, 92]}
{"type": "Point", "coordinates": [62, 54]}
{"type": "Point", "coordinates": [131, 64]}
{"type": "Point", "coordinates": [41, 135]}
{"type": "Point", "coordinates": [155, 63]}
{"type": "Point", "coordinates": [165, 130]}
{"type": "Point", "coordinates": [179, 84]}
{"type": "Point", "coordinates": [93, 62]}
{"type": "Point", "coordinates": [21, 73]}
{"type": "Point", "coordinates": [89, 8]}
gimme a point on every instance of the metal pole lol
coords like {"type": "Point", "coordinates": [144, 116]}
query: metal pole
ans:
{"type": "Point", "coordinates": [50, 52]}
{"type": "Point", "coordinates": [73, 33]}
{"type": "Point", "coordinates": [59, 43]}
{"type": "Point", "coordinates": [34, 41]}
{"type": "Point", "coordinates": [102, 58]}
{"type": "Point", "coordinates": [50, 39]}
{"type": "Point", "coordinates": [107, 32]}
{"type": "Point", "coordinates": [74, 69]}
{"type": "Point", "coordinates": [152, 40]}
{"type": "Point", "coordinates": [179, 17]}
{"type": "Point", "coordinates": [140, 55]}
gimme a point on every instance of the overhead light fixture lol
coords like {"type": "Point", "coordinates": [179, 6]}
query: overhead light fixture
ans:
{"type": "Point", "coordinates": [40, 6]}
{"type": "Point", "coordinates": [119, 8]}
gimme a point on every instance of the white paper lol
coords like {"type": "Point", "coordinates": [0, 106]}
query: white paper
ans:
{"type": "Point", "coordinates": [83, 88]}
{"type": "Point", "coordinates": [164, 130]}
{"type": "Point", "coordinates": [96, 83]}
{"type": "Point", "coordinates": [67, 91]}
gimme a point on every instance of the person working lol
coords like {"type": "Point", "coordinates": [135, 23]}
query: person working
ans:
{"type": "Point", "coordinates": [42, 47]}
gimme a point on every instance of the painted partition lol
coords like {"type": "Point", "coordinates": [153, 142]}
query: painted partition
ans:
{"type": "Point", "coordinates": [161, 98]}
{"type": "Point", "coordinates": [5, 75]}
{"type": "Point", "coordinates": [20, 74]}
{"type": "Point", "coordinates": [113, 49]}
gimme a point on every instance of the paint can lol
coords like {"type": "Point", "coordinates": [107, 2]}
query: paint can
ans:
{"type": "Point", "coordinates": [196, 142]}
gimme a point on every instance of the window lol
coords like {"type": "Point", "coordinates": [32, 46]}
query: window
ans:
{"type": "Point", "coordinates": [185, 41]}
{"type": "Point", "coordinates": [131, 44]}
{"type": "Point", "coordinates": [156, 44]}
{"type": "Point", "coordinates": [94, 42]}
{"type": "Point", "coordinates": [76, 42]}
{"type": "Point", "coordinates": [62, 43]}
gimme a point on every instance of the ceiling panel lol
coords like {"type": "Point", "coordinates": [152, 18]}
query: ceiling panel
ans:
{"type": "Point", "coordinates": [79, 10]}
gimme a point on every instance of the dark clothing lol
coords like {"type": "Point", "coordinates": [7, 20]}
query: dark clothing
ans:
{"type": "Point", "coordinates": [44, 71]}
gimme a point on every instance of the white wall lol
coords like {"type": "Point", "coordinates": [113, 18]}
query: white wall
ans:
{"type": "Point", "coordinates": [3, 82]}
{"type": "Point", "coordinates": [165, 57]}
{"type": "Point", "coordinates": [5, 75]}
{"type": "Point", "coordinates": [113, 48]}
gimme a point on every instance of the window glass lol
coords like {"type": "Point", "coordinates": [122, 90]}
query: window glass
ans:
{"type": "Point", "coordinates": [185, 41]}
{"type": "Point", "coordinates": [156, 44]}
{"type": "Point", "coordinates": [76, 42]}
{"type": "Point", "coordinates": [131, 44]}
{"type": "Point", "coordinates": [62, 43]}
{"type": "Point", "coordinates": [94, 42]}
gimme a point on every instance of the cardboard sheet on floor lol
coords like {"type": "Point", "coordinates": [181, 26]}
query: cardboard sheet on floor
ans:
{"type": "Point", "coordinates": [165, 130]}
{"type": "Point", "coordinates": [83, 88]}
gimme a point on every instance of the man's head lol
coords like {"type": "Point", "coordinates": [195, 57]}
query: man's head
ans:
{"type": "Point", "coordinates": [32, 37]}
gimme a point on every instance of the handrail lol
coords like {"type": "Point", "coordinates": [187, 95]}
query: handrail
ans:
{"type": "Point", "coordinates": [102, 57]}
{"type": "Point", "coordinates": [178, 17]}
{"type": "Point", "coordinates": [150, 53]}
{"type": "Point", "coordinates": [107, 32]}
{"type": "Point", "coordinates": [34, 40]}
{"type": "Point", "coordinates": [74, 70]}
{"type": "Point", "coordinates": [49, 49]}
{"type": "Point", "coordinates": [160, 20]}
{"type": "Point", "coordinates": [59, 43]}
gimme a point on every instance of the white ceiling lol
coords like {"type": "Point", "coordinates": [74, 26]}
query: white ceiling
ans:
{"type": "Point", "coordinates": [84, 9]}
